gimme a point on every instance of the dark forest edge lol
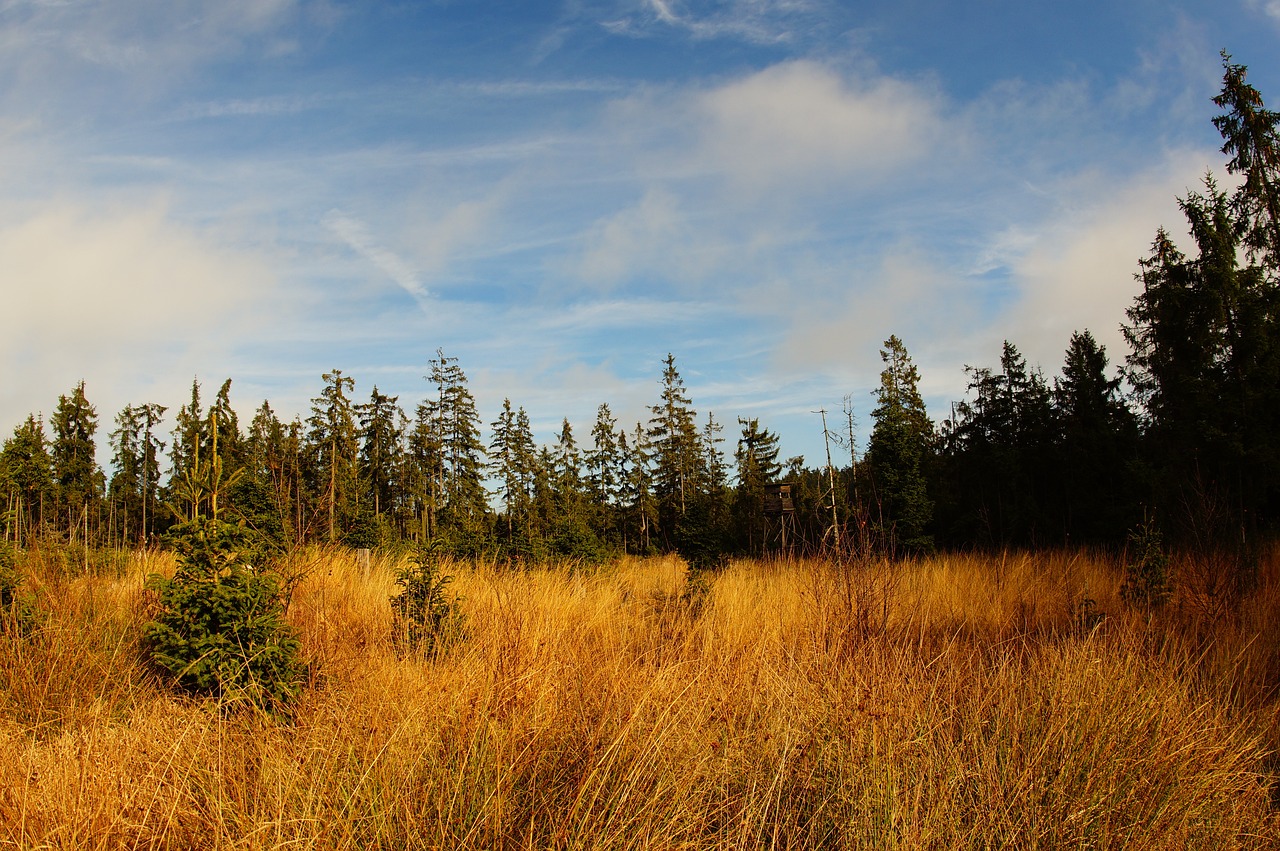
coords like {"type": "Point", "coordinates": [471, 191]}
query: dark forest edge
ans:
{"type": "Point", "coordinates": [1180, 444]}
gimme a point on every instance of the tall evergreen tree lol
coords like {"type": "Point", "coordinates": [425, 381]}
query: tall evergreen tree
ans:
{"type": "Point", "coordinates": [1001, 452]}
{"type": "Point", "coordinates": [758, 465]}
{"type": "Point", "coordinates": [79, 480]}
{"type": "Point", "coordinates": [380, 449]}
{"type": "Point", "coordinates": [1205, 363]}
{"type": "Point", "coordinates": [334, 446]}
{"type": "Point", "coordinates": [136, 461]}
{"type": "Point", "coordinates": [1252, 140]}
{"type": "Point", "coordinates": [190, 435]}
{"type": "Point", "coordinates": [606, 466]}
{"type": "Point", "coordinates": [676, 449]}
{"type": "Point", "coordinates": [26, 471]}
{"type": "Point", "coordinates": [642, 503]}
{"type": "Point", "coordinates": [230, 441]}
{"type": "Point", "coordinates": [505, 466]}
{"type": "Point", "coordinates": [457, 424]}
{"type": "Point", "coordinates": [900, 440]}
{"type": "Point", "coordinates": [266, 497]}
{"type": "Point", "coordinates": [1097, 443]}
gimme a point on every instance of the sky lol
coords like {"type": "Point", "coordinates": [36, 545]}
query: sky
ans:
{"type": "Point", "coordinates": [560, 194]}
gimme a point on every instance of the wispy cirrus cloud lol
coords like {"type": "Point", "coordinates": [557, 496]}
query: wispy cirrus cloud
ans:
{"type": "Point", "coordinates": [755, 21]}
{"type": "Point", "coordinates": [357, 236]}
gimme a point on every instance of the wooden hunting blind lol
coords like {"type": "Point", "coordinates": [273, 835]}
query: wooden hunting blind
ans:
{"type": "Point", "coordinates": [777, 500]}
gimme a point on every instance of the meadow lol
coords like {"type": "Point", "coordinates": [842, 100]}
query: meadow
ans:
{"type": "Point", "coordinates": [955, 701]}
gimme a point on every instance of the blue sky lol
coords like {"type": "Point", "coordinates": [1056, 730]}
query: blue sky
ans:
{"type": "Point", "coordinates": [561, 193]}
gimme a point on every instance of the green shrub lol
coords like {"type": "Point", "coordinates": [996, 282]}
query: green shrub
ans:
{"type": "Point", "coordinates": [427, 619]}
{"type": "Point", "coordinates": [1146, 574]}
{"type": "Point", "coordinates": [17, 605]}
{"type": "Point", "coordinates": [221, 629]}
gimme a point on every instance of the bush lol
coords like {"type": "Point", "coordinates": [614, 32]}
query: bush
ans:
{"type": "Point", "coordinates": [17, 605]}
{"type": "Point", "coordinates": [1146, 575]}
{"type": "Point", "coordinates": [221, 628]}
{"type": "Point", "coordinates": [427, 619]}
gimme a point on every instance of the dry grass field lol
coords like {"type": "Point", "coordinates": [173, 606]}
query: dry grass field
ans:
{"type": "Point", "coordinates": [953, 702]}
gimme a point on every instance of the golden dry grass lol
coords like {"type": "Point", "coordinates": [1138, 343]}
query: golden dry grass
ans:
{"type": "Point", "coordinates": [955, 702]}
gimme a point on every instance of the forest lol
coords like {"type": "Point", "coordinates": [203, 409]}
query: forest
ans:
{"type": "Point", "coordinates": [1180, 439]}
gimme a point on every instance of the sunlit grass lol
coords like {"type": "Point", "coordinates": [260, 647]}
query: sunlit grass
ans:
{"type": "Point", "coordinates": [959, 701]}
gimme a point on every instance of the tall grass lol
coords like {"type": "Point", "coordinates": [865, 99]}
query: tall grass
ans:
{"type": "Point", "coordinates": [954, 702]}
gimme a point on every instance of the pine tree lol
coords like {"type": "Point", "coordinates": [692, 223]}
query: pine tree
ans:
{"type": "Point", "coordinates": [503, 463]}
{"type": "Point", "coordinates": [189, 435]}
{"type": "Point", "coordinates": [642, 509]}
{"type": "Point", "coordinates": [604, 460]}
{"type": "Point", "coordinates": [675, 447]}
{"type": "Point", "coordinates": [333, 443]}
{"type": "Point", "coordinates": [452, 414]}
{"type": "Point", "coordinates": [900, 441]}
{"type": "Point", "coordinates": [79, 480]}
{"type": "Point", "coordinates": [230, 441]}
{"type": "Point", "coordinates": [380, 449]}
{"type": "Point", "coordinates": [757, 461]}
{"type": "Point", "coordinates": [1251, 139]}
{"type": "Point", "coordinates": [1004, 441]}
{"type": "Point", "coordinates": [606, 465]}
{"type": "Point", "coordinates": [136, 461]}
{"type": "Point", "coordinates": [26, 470]}
{"type": "Point", "coordinates": [266, 499]}
{"type": "Point", "coordinates": [1097, 442]}
{"type": "Point", "coordinates": [1205, 364]}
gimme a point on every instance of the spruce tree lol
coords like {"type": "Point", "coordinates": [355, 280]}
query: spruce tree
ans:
{"type": "Point", "coordinates": [26, 470]}
{"type": "Point", "coordinates": [896, 453]}
{"type": "Point", "coordinates": [758, 465]}
{"type": "Point", "coordinates": [380, 449]}
{"type": "Point", "coordinates": [78, 479]}
{"type": "Point", "coordinates": [675, 447]}
{"type": "Point", "coordinates": [457, 424]}
{"type": "Point", "coordinates": [1096, 445]}
{"type": "Point", "coordinates": [333, 441]}
{"type": "Point", "coordinates": [1252, 140]}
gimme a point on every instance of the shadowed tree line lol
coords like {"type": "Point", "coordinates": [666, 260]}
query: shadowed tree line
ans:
{"type": "Point", "coordinates": [1186, 429]}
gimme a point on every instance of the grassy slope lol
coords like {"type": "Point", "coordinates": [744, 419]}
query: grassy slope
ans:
{"type": "Point", "coordinates": [957, 702]}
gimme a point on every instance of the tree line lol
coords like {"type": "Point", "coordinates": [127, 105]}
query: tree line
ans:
{"type": "Point", "coordinates": [1185, 429]}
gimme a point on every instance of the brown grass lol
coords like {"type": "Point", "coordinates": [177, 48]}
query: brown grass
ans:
{"type": "Point", "coordinates": [955, 702]}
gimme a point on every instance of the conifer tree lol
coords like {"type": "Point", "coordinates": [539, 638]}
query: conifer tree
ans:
{"type": "Point", "coordinates": [675, 447]}
{"type": "Point", "coordinates": [76, 473]}
{"type": "Point", "coordinates": [26, 471]}
{"type": "Point", "coordinates": [899, 443]}
{"type": "Point", "coordinates": [642, 503]}
{"type": "Point", "coordinates": [230, 441]}
{"type": "Point", "coordinates": [270, 477]}
{"type": "Point", "coordinates": [757, 462]}
{"type": "Point", "coordinates": [380, 449]}
{"type": "Point", "coordinates": [1097, 441]}
{"type": "Point", "coordinates": [334, 446]}
{"type": "Point", "coordinates": [136, 461]}
{"type": "Point", "coordinates": [1252, 140]}
{"type": "Point", "coordinates": [606, 465]}
{"type": "Point", "coordinates": [189, 434]}
{"type": "Point", "coordinates": [452, 415]}
{"type": "Point", "coordinates": [1004, 441]}
{"type": "Point", "coordinates": [504, 463]}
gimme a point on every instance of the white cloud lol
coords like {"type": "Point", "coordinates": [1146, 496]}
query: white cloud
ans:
{"type": "Point", "coordinates": [126, 49]}
{"type": "Point", "coordinates": [800, 125]}
{"type": "Point", "coordinates": [1078, 271]}
{"type": "Point", "coordinates": [1270, 8]}
{"type": "Point", "coordinates": [355, 234]}
{"type": "Point", "coordinates": [123, 298]}
{"type": "Point", "coordinates": [755, 21]}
